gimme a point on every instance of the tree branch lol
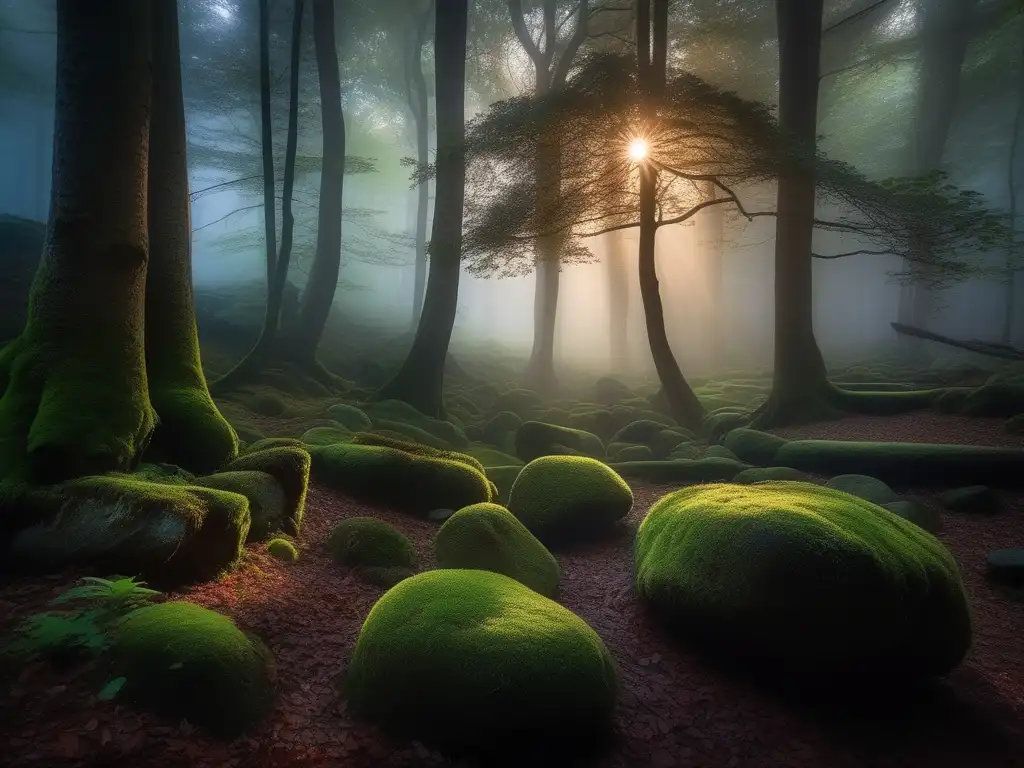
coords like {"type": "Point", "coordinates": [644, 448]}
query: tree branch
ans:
{"type": "Point", "coordinates": [515, 9]}
{"type": "Point", "coordinates": [579, 35]}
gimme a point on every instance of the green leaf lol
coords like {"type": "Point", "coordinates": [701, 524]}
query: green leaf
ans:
{"type": "Point", "coordinates": [111, 689]}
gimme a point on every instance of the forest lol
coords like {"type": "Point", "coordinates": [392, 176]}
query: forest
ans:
{"type": "Point", "coordinates": [469, 383]}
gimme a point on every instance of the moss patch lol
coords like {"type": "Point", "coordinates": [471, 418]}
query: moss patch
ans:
{"type": "Point", "coordinates": [680, 470]}
{"type": "Point", "coordinates": [288, 465]}
{"type": "Point", "coordinates": [753, 446]}
{"type": "Point", "coordinates": [537, 438]}
{"type": "Point", "coordinates": [283, 549]}
{"type": "Point", "coordinates": [367, 541]}
{"type": "Point", "coordinates": [269, 510]}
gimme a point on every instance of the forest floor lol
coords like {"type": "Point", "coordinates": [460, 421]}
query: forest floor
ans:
{"type": "Point", "coordinates": [674, 710]}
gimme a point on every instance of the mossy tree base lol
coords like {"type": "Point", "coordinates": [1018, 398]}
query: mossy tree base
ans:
{"type": "Point", "coordinates": [824, 402]}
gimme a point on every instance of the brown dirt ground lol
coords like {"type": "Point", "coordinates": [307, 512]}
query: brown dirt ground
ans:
{"type": "Point", "coordinates": [674, 711]}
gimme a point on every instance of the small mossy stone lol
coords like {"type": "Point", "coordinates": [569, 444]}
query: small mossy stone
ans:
{"type": "Point", "coordinates": [753, 446]}
{"type": "Point", "coordinates": [273, 442]}
{"type": "Point", "coordinates": [717, 424]}
{"type": "Point", "coordinates": [974, 499]}
{"type": "Point", "coordinates": [499, 427]}
{"type": "Point", "coordinates": [765, 474]}
{"type": "Point", "coordinates": [350, 417]}
{"type": "Point", "coordinates": [708, 470]}
{"type": "Point", "coordinates": [564, 497]}
{"type": "Point", "coordinates": [367, 541]}
{"type": "Point", "coordinates": [921, 515]}
{"type": "Point", "coordinates": [808, 579]}
{"type": "Point", "coordinates": [536, 438]}
{"type": "Point", "coordinates": [488, 537]}
{"type": "Point", "coordinates": [1006, 566]}
{"type": "Point", "coordinates": [719, 452]}
{"type": "Point", "coordinates": [867, 488]}
{"type": "Point", "coordinates": [290, 466]}
{"type": "Point", "coordinates": [283, 549]}
{"type": "Point", "coordinates": [642, 432]}
{"type": "Point", "coordinates": [383, 576]}
{"type": "Point", "coordinates": [187, 662]}
{"type": "Point", "coordinates": [632, 453]}
{"type": "Point", "coordinates": [482, 659]}
{"type": "Point", "coordinates": [326, 436]}
{"type": "Point", "coordinates": [268, 506]}
{"type": "Point", "coordinates": [685, 450]}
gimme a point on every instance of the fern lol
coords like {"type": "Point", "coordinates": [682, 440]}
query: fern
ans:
{"type": "Point", "coordinates": [109, 597]}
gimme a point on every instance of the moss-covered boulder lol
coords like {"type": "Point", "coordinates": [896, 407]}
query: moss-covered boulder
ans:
{"type": "Point", "coordinates": [525, 403]}
{"type": "Point", "coordinates": [718, 423]}
{"type": "Point", "coordinates": [388, 413]}
{"type": "Point", "coordinates": [973, 499]}
{"type": "Point", "coordinates": [490, 457]}
{"type": "Point", "coordinates": [170, 532]}
{"type": "Point", "coordinates": [397, 479]}
{"type": "Point", "coordinates": [924, 517]}
{"type": "Point", "coordinates": [187, 662]}
{"type": "Point", "coordinates": [680, 470]}
{"type": "Point", "coordinates": [567, 497]}
{"type": "Point", "coordinates": [753, 446]}
{"type": "Point", "coordinates": [282, 549]}
{"type": "Point", "coordinates": [273, 442]}
{"type": "Point", "coordinates": [537, 438]}
{"type": "Point", "coordinates": [482, 658]}
{"type": "Point", "coordinates": [398, 442]}
{"type": "Point", "coordinates": [764, 474]}
{"type": "Point", "coordinates": [500, 429]}
{"type": "Point", "coordinates": [868, 488]}
{"type": "Point", "coordinates": [326, 436]}
{"type": "Point", "coordinates": [269, 510]}
{"type": "Point", "coordinates": [503, 478]}
{"type": "Point", "coordinates": [804, 578]}
{"type": "Point", "coordinates": [719, 452]}
{"type": "Point", "coordinates": [350, 417]}
{"type": "Point", "coordinates": [288, 465]}
{"type": "Point", "coordinates": [367, 541]}
{"type": "Point", "coordinates": [628, 452]}
{"type": "Point", "coordinates": [488, 537]}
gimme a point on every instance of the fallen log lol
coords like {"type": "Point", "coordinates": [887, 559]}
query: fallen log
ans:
{"type": "Point", "coordinates": [989, 349]}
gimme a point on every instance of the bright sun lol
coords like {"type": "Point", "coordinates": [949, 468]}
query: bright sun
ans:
{"type": "Point", "coordinates": [638, 149]}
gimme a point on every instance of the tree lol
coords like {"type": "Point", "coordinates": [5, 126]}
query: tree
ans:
{"type": "Point", "coordinates": [109, 352]}
{"type": "Point", "coordinates": [1013, 183]}
{"type": "Point", "coordinates": [420, 380]}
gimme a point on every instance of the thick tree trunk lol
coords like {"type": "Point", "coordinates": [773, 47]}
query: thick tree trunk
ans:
{"type": "Point", "coordinates": [420, 380]}
{"type": "Point", "coordinates": [617, 271]}
{"type": "Point", "coordinates": [540, 371]}
{"type": "Point", "coordinates": [191, 432]}
{"type": "Point", "coordinates": [318, 296]}
{"type": "Point", "coordinates": [800, 388]}
{"type": "Point", "coordinates": [75, 397]}
{"type": "Point", "coordinates": [419, 109]}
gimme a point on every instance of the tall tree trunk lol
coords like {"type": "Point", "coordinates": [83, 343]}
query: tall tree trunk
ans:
{"type": "Point", "coordinates": [266, 344]}
{"type": "Point", "coordinates": [419, 108]}
{"type": "Point", "coordinates": [1013, 264]}
{"type": "Point", "coordinates": [267, 146]}
{"type": "Point", "coordinates": [800, 385]}
{"type": "Point", "coordinates": [945, 34]}
{"type": "Point", "coordinates": [420, 380]}
{"type": "Point", "coordinates": [617, 271]}
{"type": "Point", "coordinates": [75, 397]}
{"type": "Point", "coordinates": [318, 296]}
{"type": "Point", "coordinates": [682, 402]}
{"type": "Point", "coordinates": [191, 431]}
{"type": "Point", "coordinates": [709, 246]}
{"type": "Point", "coordinates": [42, 197]}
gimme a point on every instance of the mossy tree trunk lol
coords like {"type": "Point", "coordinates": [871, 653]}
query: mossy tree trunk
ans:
{"type": "Point", "coordinates": [191, 431]}
{"type": "Point", "coordinates": [420, 380]}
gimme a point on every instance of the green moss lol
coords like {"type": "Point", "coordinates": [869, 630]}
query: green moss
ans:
{"type": "Point", "coordinates": [186, 662]}
{"type": "Point", "coordinates": [764, 474]}
{"type": "Point", "coordinates": [599, 421]}
{"type": "Point", "coordinates": [806, 578]}
{"type": "Point", "coordinates": [536, 438]}
{"type": "Point", "coordinates": [383, 441]}
{"type": "Point", "coordinates": [325, 436]}
{"type": "Point", "coordinates": [680, 470]}
{"type": "Point", "coordinates": [388, 413]}
{"type": "Point", "coordinates": [753, 446]}
{"type": "Point", "coordinates": [685, 450]}
{"type": "Point", "coordinates": [488, 537]}
{"type": "Point", "coordinates": [488, 457]}
{"type": "Point", "coordinates": [503, 478]}
{"type": "Point", "coordinates": [390, 477]}
{"type": "Point", "coordinates": [906, 463]}
{"type": "Point", "coordinates": [951, 399]}
{"type": "Point", "coordinates": [481, 657]}
{"type": "Point", "coordinates": [268, 507]}
{"type": "Point", "coordinates": [499, 429]}
{"type": "Point", "coordinates": [998, 397]}
{"type": "Point", "coordinates": [563, 497]}
{"type": "Point", "coordinates": [350, 417]}
{"type": "Point", "coordinates": [170, 533]}
{"type": "Point", "coordinates": [261, 401]}
{"type": "Point", "coordinates": [273, 442]}
{"type": "Point", "coordinates": [414, 434]}
{"type": "Point", "coordinates": [367, 541]}
{"type": "Point", "coordinates": [626, 452]}
{"type": "Point", "coordinates": [864, 487]}
{"type": "Point", "coordinates": [524, 403]}
{"type": "Point", "coordinates": [283, 549]}
{"type": "Point", "coordinates": [718, 423]}
{"type": "Point", "coordinates": [288, 465]}
{"type": "Point", "coordinates": [719, 452]}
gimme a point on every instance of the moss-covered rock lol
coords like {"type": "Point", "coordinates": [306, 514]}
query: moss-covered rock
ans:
{"type": "Point", "coordinates": [488, 537]}
{"type": "Point", "coordinates": [389, 477]}
{"type": "Point", "coordinates": [642, 432]}
{"type": "Point", "coordinates": [975, 499]}
{"type": "Point", "coordinates": [610, 391]}
{"type": "Point", "coordinates": [525, 403]}
{"type": "Point", "coordinates": [397, 442]}
{"type": "Point", "coordinates": [868, 488]}
{"type": "Point", "coordinates": [268, 507]}
{"type": "Point", "coordinates": [389, 413]}
{"type": "Point", "coordinates": [187, 662]}
{"type": "Point", "coordinates": [350, 417]}
{"type": "Point", "coordinates": [500, 429]}
{"type": "Point", "coordinates": [627, 452]}
{"type": "Point", "coordinates": [565, 497]}
{"type": "Point", "coordinates": [489, 457]}
{"type": "Point", "coordinates": [537, 438]}
{"type": "Point", "coordinates": [753, 446]}
{"type": "Point", "coordinates": [503, 478]}
{"type": "Point", "coordinates": [924, 517]}
{"type": "Point", "coordinates": [680, 470]}
{"type": "Point", "coordinates": [367, 541]}
{"type": "Point", "coordinates": [263, 401]}
{"type": "Point", "coordinates": [685, 451]}
{"type": "Point", "coordinates": [283, 549]}
{"type": "Point", "coordinates": [482, 658]}
{"type": "Point", "coordinates": [806, 578]}
{"type": "Point", "coordinates": [719, 452]}
{"type": "Point", "coordinates": [273, 442]}
{"type": "Point", "coordinates": [288, 465]}
{"type": "Point", "coordinates": [170, 533]}
{"type": "Point", "coordinates": [326, 436]}
{"type": "Point", "coordinates": [907, 463]}
{"type": "Point", "coordinates": [718, 423]}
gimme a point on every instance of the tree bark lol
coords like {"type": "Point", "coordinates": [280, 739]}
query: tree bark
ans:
{"type": "Point", "coordinates": [267, 140]}
{"type": "Point", "coordinates": [419, 108]}
{"type": "Point", "coordinates": [75, 396]}
{"type": "Point", "coordinates": [318, 296]}
{"type": "Point", "coordinates": [191, 431]}
{"type": "Point", "coordinates": [800, 385]}
{"type": "Point", "coordinates": [420, 380]}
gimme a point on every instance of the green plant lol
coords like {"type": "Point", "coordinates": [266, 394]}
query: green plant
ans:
{"type": "Point", "coordinates": [109, 597]}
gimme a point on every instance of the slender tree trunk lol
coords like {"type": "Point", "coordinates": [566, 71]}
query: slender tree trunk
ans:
{"type": "Point", "coordinates": [617, 271]}
{"type": "Point", "coordinates": [800, 386]}
{"type": "Point", "coordinates": [318, 296]}
{"type": "Point", "coordinates": [709, 225]}
{"type": "Point", "coordinates": [540, 371]}
{"type": "Point", "coordinates": [419, 108]}
{"type": "Point", "coordinates": [191, 431]}
{"type": "Point", "coordinates": [420, 380]}
{"type": "Point", "coordinates": [42, 198]}
{"type": "Point", "coordinates": [75, 395]}
{"type": "Point", "coordinates": [267, 140]}
{"type": "Point", "coordinates": [1012, 257]}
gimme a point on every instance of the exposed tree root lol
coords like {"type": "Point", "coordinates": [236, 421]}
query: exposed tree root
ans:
{"type": "Point", "coordinates": [989, 349]}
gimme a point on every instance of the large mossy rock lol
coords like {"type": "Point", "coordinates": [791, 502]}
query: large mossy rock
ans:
{"type": "Point", "coordinates": [481, 657]}
{"type": "Point", "coordinates": [269, 510]}
{"type": "Point", "coordinates": [567, 497]}
{"type": "Point", "coordinates": [350, 417]}
{"type": "Point", "coordinates": [488, 537]}
{"type": "Point", "coordinates": [183, 661]}
{"type": "Point", "coordinates": [369, 542]}
{"type": "Point", "coordinates": [389, 477]}
{"type": "Point", "coordinates": [388, 413]}
{"type": "Point", "coordinates": [753, 446]}
{"type": "Point", "coordinates": [537, 438]}
{"type": "Point", "coordinates": [171, 533]}
{"type": "Point", "coordinates": [764, 474]}
{"type": "Point", "coordinates": [290, 466]}
{"type": "Point", "coordinates": [711, 470]}
{"type": "Point", "coordinates": [326, 436]}
{"type": "Point", "coordinates": [868, 488]}
{"type": "Point", "coordinates": [803, 578]}
{"type": "Point", "coordinates": [397, 442]}
{"type": "Point", "coordinates": [907, 463]}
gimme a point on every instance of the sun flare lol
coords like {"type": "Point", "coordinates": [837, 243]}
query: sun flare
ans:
{"type": "Point", "coordinates": [638, 149]}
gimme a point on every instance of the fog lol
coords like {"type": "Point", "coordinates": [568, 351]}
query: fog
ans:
{"type": "Point", "coordinates": [866, 119]}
